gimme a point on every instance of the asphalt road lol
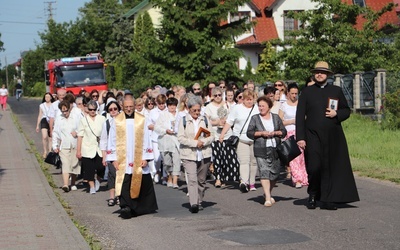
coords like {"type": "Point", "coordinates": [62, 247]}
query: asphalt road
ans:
{"type": "Point", "coordinates": [232, 220]}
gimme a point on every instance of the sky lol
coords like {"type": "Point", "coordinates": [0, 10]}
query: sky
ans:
{"type": "Point", "coordinates": [21, 20]}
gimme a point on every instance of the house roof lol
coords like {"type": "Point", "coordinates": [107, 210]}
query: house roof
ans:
{"type": "Point", "coordinates": [265, 28]}
{"type": "Point", "coordinates": [135, 9]}
{"type": "Point", "coordinates": [389, 17]}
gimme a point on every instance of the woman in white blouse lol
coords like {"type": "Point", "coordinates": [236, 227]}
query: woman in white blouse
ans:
{"type": "Point", "coordinates": [42, 123]}
{"type": "Point", "coordinates": [64, 142]}
{"type": "Point", "coordinates": [239, 118]}
{"type": "Point", "coordinates": [88, 149]}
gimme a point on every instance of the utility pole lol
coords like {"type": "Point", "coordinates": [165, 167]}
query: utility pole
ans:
{"type": "Point", "coordinates": [5, 59]}
{"type": "Point", "coordinates": [50, 9]}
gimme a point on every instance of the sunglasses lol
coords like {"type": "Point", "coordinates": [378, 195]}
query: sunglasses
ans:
{"type": "Point", "coordinates": [91, 109]}
{"type": "Point", "coordinates": [151, 103]}
{"type": "Point", "coordinates": [221, 87]}
{"type": "Point", "coordinates": [278, 85]}
{"type": "Point", "coordinates": [217, 95]}
{"type": "Point", "coordinates": [112, 109]}
{"type": "Point", "coordinates": [196, 110]}
{"type": "Point", "coordinates": [95, 96]}
{"type": "Point", "coordinates": [196, 89]}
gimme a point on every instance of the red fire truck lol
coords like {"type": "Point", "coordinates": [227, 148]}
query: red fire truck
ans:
{"type": "Point", "coordinates": [76, 73]}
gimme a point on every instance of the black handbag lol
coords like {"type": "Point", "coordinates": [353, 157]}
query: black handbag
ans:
{"type": "Point", "coordinates": [53, 159]}
{"type": "Point", "coordinates": [288, 150]}
{"type": "Point", "coordinates": [233, 140]}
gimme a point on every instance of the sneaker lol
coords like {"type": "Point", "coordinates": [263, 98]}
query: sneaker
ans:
{"type": "Point", "coordinates": [74, 188]}
{"type": "Point", "coordinates": [164, 183]}
{"type": "Point", "coordinates": [97, 185]}
{"type": "Point", "coordinates": [253, 187]}
{"type": "Point", "coordinates": [170, 185]}
{"type": "Point", "coordinates": [298, 185]}
{"type": "Point", "coordinates": [243, 187]}
{"type": "Point", "coordinates": [156, 178]}
{"type": "Point", "coordinates": [175, 186]}
{"type": "Point", "coordinates": [92, 190]}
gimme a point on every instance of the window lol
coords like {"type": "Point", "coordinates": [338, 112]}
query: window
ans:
{"type": "Point", "coordinates": [290, 24]}
{"type": "Point", "coordinates": [361, 3]}
{"type": "Point", "coordinates": [241, 15]}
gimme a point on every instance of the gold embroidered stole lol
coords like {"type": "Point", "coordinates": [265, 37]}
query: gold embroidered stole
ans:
{"type": "Point", "coordinates": [120, 123]}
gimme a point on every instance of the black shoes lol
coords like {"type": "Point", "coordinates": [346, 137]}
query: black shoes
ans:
{"type": "Point", "coordinates": [328, 206]}
{"type": "Point", "coordinates": [126, 213]}
{"type": "Point", "coordinates": [244, 188]}
{"type": "Point", "coordinates": [311, 203]}
{"type": "Point", "coordinates": [194, 209]}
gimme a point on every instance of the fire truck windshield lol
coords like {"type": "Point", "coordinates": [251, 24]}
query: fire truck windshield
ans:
{"type": "Point", "coordinates": [82, 77]}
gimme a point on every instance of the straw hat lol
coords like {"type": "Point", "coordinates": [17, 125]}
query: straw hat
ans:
{"type": "Point", "coordinates": [322, 66]}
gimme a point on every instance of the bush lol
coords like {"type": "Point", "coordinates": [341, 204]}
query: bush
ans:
{"type": "Point", "coordinates": [37, 90]}
{"type": "Point", "coordinates": [391, 111]}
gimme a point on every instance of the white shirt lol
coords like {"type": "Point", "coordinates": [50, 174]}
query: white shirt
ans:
{"type": "Point", "coordinates": [238, 117]}
{"type": "Point", "coordinates": [269, 126]}
{"type": "Point", "coordinates": [212, 112]}
{"type": "Point", "coordinates": [289, 112]}
{"type": "Point", "coordinates": [61, 136]}
{"type": "Point", "coordinates": [153, 116]}
{"type": "Point", "coordinates": [3, 92]}
{"type": "Point", "coordinates": [45, 110]}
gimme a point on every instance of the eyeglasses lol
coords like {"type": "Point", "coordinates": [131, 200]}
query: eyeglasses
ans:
{"type": "Point", "coordinates": [150, 103]}
{"type": "Point", "coordinates": [217, 95]}
{"type": "Point", "coordinates": [93, 96]}
{"type": "Point", "coordinates": [240, 97]}
{"type": "Point", "coordinates": [112, 109]}
{"type": "Point", "coordinates": [196, 89]}
{"type": "Point", "coordinates": [195, 110]}
{"type": "Point", "coordinates": [278, 85]}
{"type": "Point", "coordinates": [91, 109]}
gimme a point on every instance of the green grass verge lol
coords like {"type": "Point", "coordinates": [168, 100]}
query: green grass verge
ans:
{"type": "Point", "coordinates": [374, 152]}
{"type": "Point", "coordinates": [93, 243]}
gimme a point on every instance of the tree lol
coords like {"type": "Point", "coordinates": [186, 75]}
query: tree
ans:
{"type": "Point", "coordinates": [1, 44]}
{"type": "Point", "coordinates": [96, 24]}
{"type": "Point", "coordinates": [117, 55]}
{"type": "Point", "coordinates": [130, 3]}
{"type": "Point", "coordinates": [33, 66]}
{"type": "Point", "coordinates": [196, 45]}
{"type": "Point", "coordinates": [329, 34]}
{"type": "Point", "coordinates": [267, 68]}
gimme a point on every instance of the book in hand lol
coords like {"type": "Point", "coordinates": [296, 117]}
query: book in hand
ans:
{"type": "Point", "coordinates": [206, 133]}
{"type": "Point", "coordinates": [333, 103]}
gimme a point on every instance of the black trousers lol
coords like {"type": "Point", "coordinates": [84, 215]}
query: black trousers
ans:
{"type": "Point", "coordinates": [146, 202]}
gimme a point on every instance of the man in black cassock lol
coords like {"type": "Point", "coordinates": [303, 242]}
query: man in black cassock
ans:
{"type": "Point", "coordinates": [320, 111]}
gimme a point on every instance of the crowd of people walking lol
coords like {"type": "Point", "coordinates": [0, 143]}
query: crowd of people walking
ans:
{"type": "Point", "coordinates": [136, 143]}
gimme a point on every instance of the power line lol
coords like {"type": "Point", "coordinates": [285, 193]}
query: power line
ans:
{"type": "Point", "coordinates": [20, 22]}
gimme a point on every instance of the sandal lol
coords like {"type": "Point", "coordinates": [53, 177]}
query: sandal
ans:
{"type": "Point", "coordinates": [116, 199]}
{"type": "Point", "coordinates": [111, 202]}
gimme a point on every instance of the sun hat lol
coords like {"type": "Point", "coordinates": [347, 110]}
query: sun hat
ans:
{"type": "Point", "coordinates": [322, 66]}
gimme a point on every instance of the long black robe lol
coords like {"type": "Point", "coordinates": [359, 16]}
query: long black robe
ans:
{"type": "Point", "coordinates": [327, 158]}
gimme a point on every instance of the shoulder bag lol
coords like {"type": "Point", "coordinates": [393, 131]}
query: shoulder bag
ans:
{"type": "Point", "coordinates": [288, 150]}
{"type": "Point", "coordinates": [233, 140]}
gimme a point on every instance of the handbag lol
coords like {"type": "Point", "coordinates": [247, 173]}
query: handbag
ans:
{"type": "Point", "coordinates": [288, 150]}
{"type": "Point", "coordinates": [53, 159]}
{"type": "Point", "coordinates": [233, 140]}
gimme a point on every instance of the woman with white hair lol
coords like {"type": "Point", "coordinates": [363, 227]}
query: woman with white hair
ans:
{"type": "Point", "coordinates": [195, 151]}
